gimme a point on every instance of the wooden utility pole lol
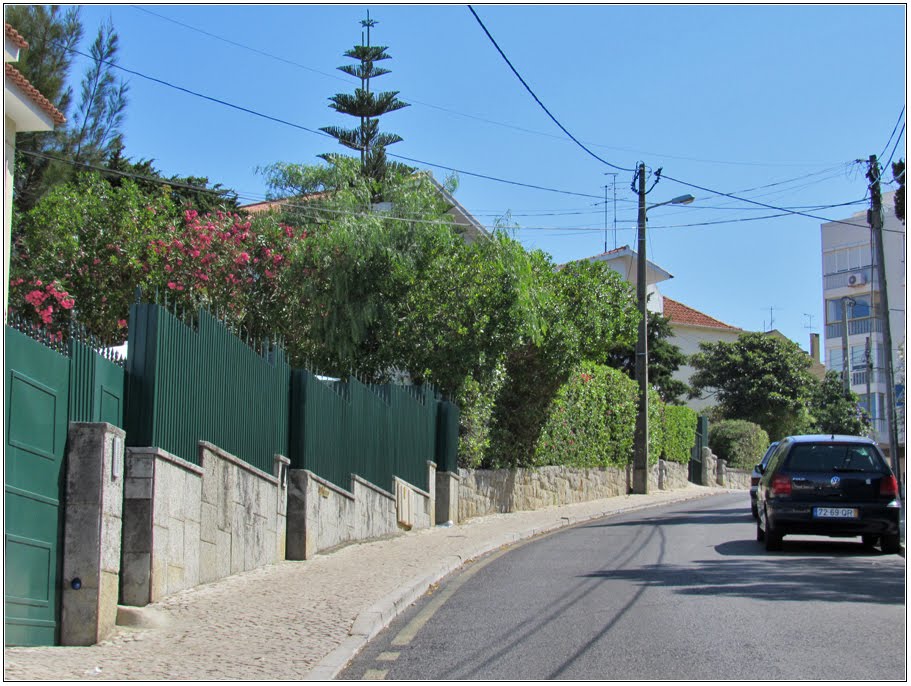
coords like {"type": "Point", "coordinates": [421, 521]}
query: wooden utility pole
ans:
{"type": "Point", "coordinates": [876, 226]}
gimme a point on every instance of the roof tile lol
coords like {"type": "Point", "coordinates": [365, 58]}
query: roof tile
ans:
{"type": "Point", "coordinates": [34, 94]}
{"type": "Point", "coordinates": [682, 314]}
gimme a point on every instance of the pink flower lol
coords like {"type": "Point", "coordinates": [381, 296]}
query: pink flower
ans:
{"type": "Point", "coordinates": [276, 258]}
{"type": "Point", "coordinates": [289, 232]}
{"type": "Point", "coordinates": [243, 258]}
{"type": "Point", "coordinates": [67, 303]}
{"type": "Point", "coordinates": [47, 314]}
{"type": "Point", "coordinates": [168, 268]}
{"type": "Point", "coordinates": [172, 285]}
{"type": "Point", "coordinates": [35, 298]}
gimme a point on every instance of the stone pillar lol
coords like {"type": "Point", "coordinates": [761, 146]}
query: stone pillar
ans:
{"type": "Point", "coordinates": [447, 497]}
{"type": "Point", "coordinates": [281, 463]}
{"type": "Point", "coordinates": [92, 533]}
{"type": "Point", "coordinates": [296, 516]}
{"type": "Point", "coordinates": [721, 469]}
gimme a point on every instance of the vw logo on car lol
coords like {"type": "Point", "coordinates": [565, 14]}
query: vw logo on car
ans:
{"type": "Point", "coordinates": [835, 481]}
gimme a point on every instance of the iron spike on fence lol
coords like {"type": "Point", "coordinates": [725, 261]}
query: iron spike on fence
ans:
{"type": "Point", "coordinates": [138, 295]}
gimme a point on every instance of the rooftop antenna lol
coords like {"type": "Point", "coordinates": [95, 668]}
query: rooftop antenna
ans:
{"type": "Point", "coordinates": [613, 174]}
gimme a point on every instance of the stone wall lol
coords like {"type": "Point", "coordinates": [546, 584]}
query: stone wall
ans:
{"type": "Point", "coordinates": [92, 533]}
{"type": "Point", "coordinates": [482, 492]}
{"type": "Point", "coordinates": [186, 524]}
{"type": "Point", "coordinates": [322, 516]}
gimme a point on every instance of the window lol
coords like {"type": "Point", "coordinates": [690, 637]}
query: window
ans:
{"type": "Point", "coordinates": [861, 309]}
{"type": "Point", "coordinates": [847, 259]}
{"type": "Point", "coordinates": [827, 457]}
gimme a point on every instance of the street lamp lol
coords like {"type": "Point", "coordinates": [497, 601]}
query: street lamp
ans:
{"type": "Point", "coordinates": [640, 456]}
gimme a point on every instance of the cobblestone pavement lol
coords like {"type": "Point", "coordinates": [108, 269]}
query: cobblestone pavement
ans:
{"type": "Point", "coordinates": [299, 620]}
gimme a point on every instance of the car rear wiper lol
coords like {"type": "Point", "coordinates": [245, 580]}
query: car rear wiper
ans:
{"type": "Point", "coordinates": [849, 469]}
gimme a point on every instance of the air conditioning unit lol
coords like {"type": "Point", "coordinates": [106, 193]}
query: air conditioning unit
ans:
{"type": "Point", "coordinates": [857, 279]}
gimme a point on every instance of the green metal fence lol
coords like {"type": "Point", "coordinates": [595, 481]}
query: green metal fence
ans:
{"type": "Point", "coordinates": [190, 379]}
{"type": "Point", "coordinates": [96, 381]}
{"type": "Point", "coordinates": [376, 431]}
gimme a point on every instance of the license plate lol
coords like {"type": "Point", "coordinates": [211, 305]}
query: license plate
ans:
{"type": "Point", "coordinates": [835, 512]}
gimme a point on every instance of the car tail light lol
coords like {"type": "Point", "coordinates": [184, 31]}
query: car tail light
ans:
{"type": "Point", "coordinates": [754, 481]}
{"type": "Point", "coordinates": [781, 484]}
{"type": "Point", "coordinates": [888, 486]}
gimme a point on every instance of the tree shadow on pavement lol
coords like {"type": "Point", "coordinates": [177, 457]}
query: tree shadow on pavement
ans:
{"type": "Point", "coordinates": [854, 575]}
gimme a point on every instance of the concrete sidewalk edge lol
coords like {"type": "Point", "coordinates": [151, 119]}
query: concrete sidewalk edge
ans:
{"type": "Point", "coordinates": [380, 615]}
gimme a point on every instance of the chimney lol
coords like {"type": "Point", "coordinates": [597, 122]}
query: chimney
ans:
{"type": "Point", "coordinates": [814, 347]}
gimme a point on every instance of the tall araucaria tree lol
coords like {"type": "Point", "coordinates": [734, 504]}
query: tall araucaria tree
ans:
{"type": "Point", "coordinates": [367, 106]}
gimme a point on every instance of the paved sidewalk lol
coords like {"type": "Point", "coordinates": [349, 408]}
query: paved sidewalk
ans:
{"type": "Point", "coordinates": [301, 620]}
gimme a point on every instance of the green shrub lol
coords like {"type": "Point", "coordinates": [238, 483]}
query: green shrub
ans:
{"type": "Point", "coordinates": [592, 420]}
{"type": "Point", "coordinates": [740, 442]}
{"type": "Point", "coordinates": [679, 433]}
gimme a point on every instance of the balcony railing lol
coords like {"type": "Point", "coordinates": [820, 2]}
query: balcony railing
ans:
{"type": "Point", "coordinates": [860, 378]}
{"type": "Point", "coordinates": [855, 326]}
{"type": "Point", "coordinates": [841, 279]}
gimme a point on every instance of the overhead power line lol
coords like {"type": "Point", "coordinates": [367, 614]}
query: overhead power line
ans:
{"type": "Point", "coordinates": [894, 129]}
{"type": "Point", "coordinates": [538, 100]}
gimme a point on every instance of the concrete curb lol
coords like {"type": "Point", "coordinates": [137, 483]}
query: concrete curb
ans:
{"type": "Point", "coordinates": [381, 614]}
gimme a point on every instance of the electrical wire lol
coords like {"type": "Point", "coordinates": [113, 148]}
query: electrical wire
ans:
{"type": "Point", "coordinates": [538, 100]}
{"type": "Point", "coordinates": [894, 128]}
{"type": "Point", "coordinates": [458, 113]}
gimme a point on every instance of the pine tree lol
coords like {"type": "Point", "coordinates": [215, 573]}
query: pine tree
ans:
{"type": "Point", "coordinates": [367, 106]}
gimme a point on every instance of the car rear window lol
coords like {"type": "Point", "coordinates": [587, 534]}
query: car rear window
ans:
{"type": "Point", "coordinates": [827, 457]}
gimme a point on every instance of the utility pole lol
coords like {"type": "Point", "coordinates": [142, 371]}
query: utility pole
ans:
{"type": "Point", "coordinates": [876, 226]}
{"type": "Point", "coordinates": [640, 455]}
{"type": "Point", "coordinates": [846, 366]}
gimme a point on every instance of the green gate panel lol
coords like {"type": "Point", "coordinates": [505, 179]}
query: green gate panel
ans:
{"type": "Point", "coordinates": [37, 390]}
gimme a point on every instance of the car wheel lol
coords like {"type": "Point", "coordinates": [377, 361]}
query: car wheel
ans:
{"type": "Point", "coordinates": [869, 540]}
{"type": "Point", "coordinates": [772, 536]}
{"type": "Point", "coordinates": [890, 544]}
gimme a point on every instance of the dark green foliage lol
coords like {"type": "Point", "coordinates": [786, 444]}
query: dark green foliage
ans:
{"type": "Point", "coordinates": [898, 174]}
{"type": "Point", "coordinates": [664, 358]}
{"type": "Point", "coordinates": [366, 106]}
{"type": "Point", "coordinates": [759, 378]}
{"type": "Point", "coordinates": [836, 411]}
{"type": "Point", "coordinates": [591, 422]}
{"type": "Point", "coordinates": [740, 442]}
{"type": "Point", "coordinates": [679, 433]}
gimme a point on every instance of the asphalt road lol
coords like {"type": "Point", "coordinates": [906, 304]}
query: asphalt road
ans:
{"type": "Point", "coordinates": [680, 592]}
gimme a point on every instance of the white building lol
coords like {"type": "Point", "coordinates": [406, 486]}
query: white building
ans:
{"type": "Point", "coordinates": [848, 272]}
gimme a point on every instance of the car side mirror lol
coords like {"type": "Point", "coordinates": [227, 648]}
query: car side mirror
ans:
{"type": "Point", "coordinates": [760, 468]}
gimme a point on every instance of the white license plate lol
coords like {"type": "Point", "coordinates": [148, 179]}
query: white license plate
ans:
{"type": "Point", "coordinates": [835, 512]}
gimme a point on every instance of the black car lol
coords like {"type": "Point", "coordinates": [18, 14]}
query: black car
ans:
{"type": "Point", "coordinates": [829, 486]}
{"type": "Point", "coordinates": [756, 475]}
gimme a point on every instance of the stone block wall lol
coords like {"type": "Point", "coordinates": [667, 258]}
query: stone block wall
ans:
{"type": "Point", "coordinates": [243, 514]}
{"type": "Point", "coordinates": [186, 524]}
{"type": "Point", "coordinates": [483, 491]}
{"type": "Point", "coordinates": [92, 533]}
{"type": "Point", "coordinates": [161, 525]}
{"type": "Point", "coordinates": [322, 516]}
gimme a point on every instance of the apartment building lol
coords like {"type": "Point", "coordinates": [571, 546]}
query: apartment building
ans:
{"type": "Point", "coordinates": [853, 304]}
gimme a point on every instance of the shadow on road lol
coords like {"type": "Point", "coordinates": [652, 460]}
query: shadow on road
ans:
{"type": "Point", "coordinates": [747, 571]}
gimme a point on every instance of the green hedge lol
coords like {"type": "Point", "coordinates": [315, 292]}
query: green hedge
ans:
{"type": "Point", "coordinates": [740, 442]}
{"type": "Point", "coordinates": [592, 420]}
{"type": "Point", "coordinates": [679, 433]}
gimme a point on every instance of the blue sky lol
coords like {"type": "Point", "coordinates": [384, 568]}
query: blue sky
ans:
{"type": "Point", "coordinates": [769, 102]}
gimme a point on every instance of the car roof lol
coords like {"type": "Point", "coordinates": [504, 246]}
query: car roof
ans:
{"type": "Point", "coordinates": [830, 438]}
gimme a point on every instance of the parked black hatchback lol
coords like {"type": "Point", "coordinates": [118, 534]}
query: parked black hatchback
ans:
{"type": "Point", "coordinates": [828, 486]}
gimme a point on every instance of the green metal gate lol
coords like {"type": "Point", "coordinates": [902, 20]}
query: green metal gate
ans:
{"type": "Point", "coordinates": [37, 390]}
{"type": "Point", "coordinates": [702, 440]}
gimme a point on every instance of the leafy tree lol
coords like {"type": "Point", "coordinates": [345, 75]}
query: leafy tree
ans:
{"type": "Point", "coordinates": [90, 240]}
{"type": "Point", "coordinates": [759, 378]}
{"type": "Point", "coordinates": [898, 174]}
{"type": "Point", "coordinates": [93, 129]}
{"type": "Point", "coordinates": [836, 411]}
{"type": "Point", "coordinates": [51, 34]}
{"type": "Point", "coordinates": [188, 192]}
{"type": "Point", "coordinates": [367, 107]}
{"type": "Point", "coordinates": [664, 358]}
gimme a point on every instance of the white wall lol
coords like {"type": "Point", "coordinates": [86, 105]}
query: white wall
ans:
{"type": "Point", "coordinates": [688, 338]}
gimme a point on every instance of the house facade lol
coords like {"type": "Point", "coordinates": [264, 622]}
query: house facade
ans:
{"type": "Point", "coordinates": [852, 295]}
{"type": "Point", "coordinates": [24, 109]}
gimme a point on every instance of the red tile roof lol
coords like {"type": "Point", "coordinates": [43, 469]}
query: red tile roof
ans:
{"type": "Point", "coordinates": [679, 313]}
{"type": "Point", "coordinates": [12, 74]}
{"type": "Point", "coordinates": [16, 37]}
{"type": "Point", "coordinates": [269, 205]}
